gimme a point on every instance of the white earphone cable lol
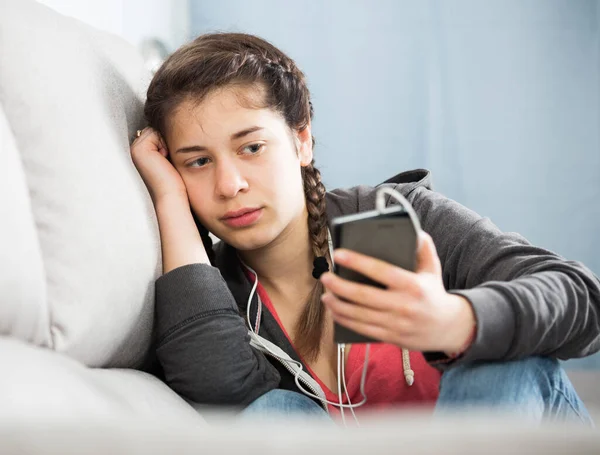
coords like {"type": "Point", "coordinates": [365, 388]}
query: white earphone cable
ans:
{"type": "Point", "coordinates": [339, 384]}
{"type": "Point", "coordinates": [380, 206]}
{"type": "Point", "coordinates": [343, 349]}
{"type": "Point", "coordinates": [409, 374]}
{"type": "Point", "coordinates": [299, 364]}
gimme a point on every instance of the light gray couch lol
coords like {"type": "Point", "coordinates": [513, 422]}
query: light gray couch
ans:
{"type": "Point", "coordinates": [80, 251]}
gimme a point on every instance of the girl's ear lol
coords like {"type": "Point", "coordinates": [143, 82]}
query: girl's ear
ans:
{"type": "Point", "coordinates": [305, 145]}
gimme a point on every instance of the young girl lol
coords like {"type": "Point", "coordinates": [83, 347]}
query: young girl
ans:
{"type": "Point", "coordinates": [249, 321]}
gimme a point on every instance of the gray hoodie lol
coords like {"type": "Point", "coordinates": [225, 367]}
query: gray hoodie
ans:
{"type": "Point", "coordinates": [527, 301]}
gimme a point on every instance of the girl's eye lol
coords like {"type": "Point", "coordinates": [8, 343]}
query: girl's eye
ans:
{"type": "Point", "coordinates": [199, 162]}
{"type": "Point", "coordinates": [253, 149]}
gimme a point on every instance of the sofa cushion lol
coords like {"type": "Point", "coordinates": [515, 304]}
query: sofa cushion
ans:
{"type": "Point", "coordinates": [23, 310]}
{"type": "Point", "coordinates": [82, 242]}
{"type": "Point", "coordinates": [43, 384]}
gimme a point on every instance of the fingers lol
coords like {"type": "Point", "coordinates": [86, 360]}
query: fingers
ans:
{"type": "Point", "coordinates": [162, 148]}
{"type": "Point", "coordinates": [151, 136]}
{"type": "Point", "coordinates": [365, 329]}
{"type": "Point", "coordinates": [364, 294]}
{"type": "Point", "coordinates": [388, 327]}
{"type": "Point", "coordinates": [389, 275]}
{"type": "Point", "coordinates": [428, 260]}
{"type": "Point", "coordinates": [349, 311]}
{"type": "Point", "coordinates": [353, 311]}
{"type": "Point", "coordinates": [141, 135]}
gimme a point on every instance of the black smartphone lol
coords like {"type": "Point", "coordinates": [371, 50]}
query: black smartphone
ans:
{"type": "Point", "coordinates": [390, 236]}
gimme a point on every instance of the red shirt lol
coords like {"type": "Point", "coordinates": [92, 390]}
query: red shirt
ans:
{"type": "Point", "coordinates": [385, 386]}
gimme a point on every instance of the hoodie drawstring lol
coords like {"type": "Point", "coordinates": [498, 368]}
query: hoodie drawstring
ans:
{"type": "Point", "coordinates": [409, 374]}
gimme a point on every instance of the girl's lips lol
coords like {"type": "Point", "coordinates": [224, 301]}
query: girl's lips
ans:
{"type": "Point", "coordinates": [244, 220]}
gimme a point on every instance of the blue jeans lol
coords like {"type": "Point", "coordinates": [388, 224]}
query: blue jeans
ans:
{"type": "Point", "coordinates": [280, 402]}
{"type": "Point", "coordinates": [536, 388]}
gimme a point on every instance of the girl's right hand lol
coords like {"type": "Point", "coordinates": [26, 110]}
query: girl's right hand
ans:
{"type": "Point", "coordinates": [150, 157]}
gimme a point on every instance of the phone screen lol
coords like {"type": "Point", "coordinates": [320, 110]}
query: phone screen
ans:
{"type": "Point", "coordinates": [391, 238]}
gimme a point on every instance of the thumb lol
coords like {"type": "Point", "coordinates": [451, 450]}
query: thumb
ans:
{"type": "Point", "coordinates": [427, 257]}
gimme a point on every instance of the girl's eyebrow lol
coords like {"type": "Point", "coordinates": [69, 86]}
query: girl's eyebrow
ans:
{"type": "Point", "coordinates": [245, 132]}
{"type": "Point", "coordinates": [193, 148]}
{"type": "Point", "coordinates": [234, 136]}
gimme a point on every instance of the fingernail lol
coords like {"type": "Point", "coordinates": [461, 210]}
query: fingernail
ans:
{"type": "Point", "coordinates": [340, 255]}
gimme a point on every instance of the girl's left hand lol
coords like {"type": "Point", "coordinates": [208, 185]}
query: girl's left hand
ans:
{"type": "Point", "coordinates": [413, 312]}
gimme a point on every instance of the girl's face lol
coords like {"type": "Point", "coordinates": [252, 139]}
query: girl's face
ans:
{"type": "Point", "coordinates": [240, 165]}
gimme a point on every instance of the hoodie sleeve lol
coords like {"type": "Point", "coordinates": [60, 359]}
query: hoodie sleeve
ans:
{"type": "Point", "coordinates": [202, 341]}
{"type": "Point", "coordinates": [527, 300]}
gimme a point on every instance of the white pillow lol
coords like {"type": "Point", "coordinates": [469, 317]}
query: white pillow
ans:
{"type": "Point", "coordinates": [81, 269]}
{"type": "Point", "coordinates": [23, 310]}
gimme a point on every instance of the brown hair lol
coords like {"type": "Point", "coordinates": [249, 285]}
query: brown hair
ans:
{"type": "Point", "coordinates": [218, 60]}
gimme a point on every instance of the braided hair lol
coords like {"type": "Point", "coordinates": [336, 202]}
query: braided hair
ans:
{"type": "Point", "coordinates": [218, 60]}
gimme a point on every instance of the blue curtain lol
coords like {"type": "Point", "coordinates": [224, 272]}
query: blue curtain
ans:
{"type": "Point", "coordinates": [499, 99]}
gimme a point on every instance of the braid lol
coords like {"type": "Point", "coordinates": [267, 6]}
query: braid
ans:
{"type": "Point", "coordinates": [282, 77]}
{"type": "Point", "coordinates": [221, 59]}
{"type": "Point", "coordinates": [310, 325]}
{"type": "Point", "coordinates": [314, 191]}
{"type": "Point", "coordinates": [278, 65]}
{"type": "Point", "coordinates": [261, 64]}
